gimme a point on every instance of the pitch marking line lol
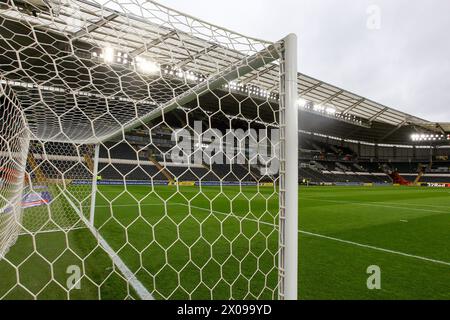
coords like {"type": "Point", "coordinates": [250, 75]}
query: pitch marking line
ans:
{"type": "Point", "coordinates": [376, 248]}
{"type": "Point", "coordinates": [64, 230]}
{"type": "Point", "coordinates": [320, 235]}
{"type": "Point", "coordinates": [332, 238]}
{"type": "Point", "coordinates": [129, 275]}
{"type": "Point", "coordinates": [127, 205]}
{"type": "Point", "coordinates": [372, 204]}
{"type": "Point", "coordinates": [414, 204]}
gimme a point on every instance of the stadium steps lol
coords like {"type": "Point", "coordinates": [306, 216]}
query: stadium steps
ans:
{"type": "Point", "coordinates": [421, 171]}
{"type": "Point", "coordinates": [314, 175]}
{"type": "Point", "coordinates": [161, 169]}
{"type": "Point", "coordinates": [88, 158]}
{"type": "Point", "coordinates": [35, 168]}
{"type": "Point", "coordinates": [419, 176]}
{"type": "Point", "coordinates": [342, 167]}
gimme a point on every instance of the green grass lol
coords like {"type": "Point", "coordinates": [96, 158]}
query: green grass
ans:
{"type": "Point", "coordinates": [221, 243]}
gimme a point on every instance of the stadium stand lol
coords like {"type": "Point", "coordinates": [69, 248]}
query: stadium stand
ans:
{"type": "Point", "coordinates": [319, 163]}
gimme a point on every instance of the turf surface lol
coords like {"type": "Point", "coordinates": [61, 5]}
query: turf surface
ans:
{"type": "Point", "coordinates": [222, 243]}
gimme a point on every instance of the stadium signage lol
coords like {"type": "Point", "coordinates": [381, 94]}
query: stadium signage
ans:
{"type": "Point", "coordinates": [182, 183]}
{"type": "Point", "coordinates": [36, 199]}
{"type": "Point", "coordinates": [165, 183]}
{"type": "Point", "coordinates": [225, 183]}
{"type": "Point", "coordinates": [31, 200]}
{"type": "Point", "coordinates": [438, 185]}
{"type": "Point", "coordinates": [121, 182]}
{"type": "Point", "coordinates": [266, 184]}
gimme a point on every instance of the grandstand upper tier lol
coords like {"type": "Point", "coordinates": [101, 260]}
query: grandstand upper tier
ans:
{"type": "Point", "coordinates": [84, 72]}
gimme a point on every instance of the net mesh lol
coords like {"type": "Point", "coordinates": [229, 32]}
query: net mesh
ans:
{"type": "Point", "coordinates": [152, 170]}
{"type": "Point", "coordinates": [14, 140]}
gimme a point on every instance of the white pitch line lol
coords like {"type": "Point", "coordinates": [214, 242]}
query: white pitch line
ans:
{"type": "Point", "coordinates": [415, 204]}
{"type": "Point", "coordinates": [229, 215]}
{"type": "Point", "coordinates": [333, 239]}
{"type": "Point", "coordinates": [64, 230]}
{"type": "Point", "coordinates": [323, 236]}
{"type": "Point", "coordinates": [140, 289]}
{"type": "Point", "coordinates": [372, 204]}
{"type": "Point", "coordinates": [307, 198]}
{"type": "Point", "coordinates": [129, 205]}
{"type": "Point", "coordinates": [377, 248]}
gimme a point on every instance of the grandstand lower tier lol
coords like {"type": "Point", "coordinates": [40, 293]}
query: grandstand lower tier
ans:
{"type": "Point", "coordinates": [65, 168]}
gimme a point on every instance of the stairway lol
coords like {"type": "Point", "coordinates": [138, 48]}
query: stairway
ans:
{"type": "Point", "coordinates": [88, 158]}
{"type": "Point", "coordinates": [342, 167]}
{"type": "Point", "coordinates": [36, 169]}
{"type": "Point", "coordinates": [419, 176]}
{"type": "Point", "coordinates": [162, 169]}
{"type": "Point", "coordinates": [421, 172]}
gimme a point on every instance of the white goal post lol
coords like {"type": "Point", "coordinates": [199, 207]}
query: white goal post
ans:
{"type": "Point", "coordinates": [155, 155]}
{"type": "Point", "coordinates": [289, 178]}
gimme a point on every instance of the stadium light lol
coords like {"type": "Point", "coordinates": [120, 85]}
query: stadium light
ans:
{"type": "Point", "coordinates": [328, 110]}
{"type": "Point", "coordinates": [331, 110]}
{"type": "Point", "coordinates": [243, 88]}
{"type": "Point", "coordinates": [108, 54]}
{"type": "Point", "coordinates": [147, 66]}
{"type": "Point", "coordinates": [429, 137]}
{"type": "Point", "coordinates": [301, 102]}
{"type": "Point", "coordinates": [319, 108]}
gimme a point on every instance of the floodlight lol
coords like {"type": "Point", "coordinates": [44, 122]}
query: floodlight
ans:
{"type": "Point", "coordinates": [147, 66]}
{"type": "Point", "coordinates": [108, 54]}
{"type": "Point", "coordinates": [301, 102]}
{"type": "Point", "coordinates": [331, 110]}
{"type": "Point", "coordinates": [319, 108]}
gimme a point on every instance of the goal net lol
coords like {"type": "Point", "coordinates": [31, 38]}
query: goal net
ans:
{"type": "Point", "coordinates": [14, 140]}
{"type": "Point", "coordinates": [144, 154]}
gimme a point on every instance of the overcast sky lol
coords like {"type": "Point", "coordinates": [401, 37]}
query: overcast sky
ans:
{"type": "Point", "coordinates": [401, 60]}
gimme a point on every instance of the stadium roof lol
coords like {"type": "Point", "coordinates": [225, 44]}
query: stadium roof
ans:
{"type": "Point", "coordinates": [440, 127]}
{"type": "Point", "coordinates": [169, 37]}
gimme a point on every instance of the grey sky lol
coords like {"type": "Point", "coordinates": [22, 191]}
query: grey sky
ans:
{"type": "Point", "coordinates": [405, 64]}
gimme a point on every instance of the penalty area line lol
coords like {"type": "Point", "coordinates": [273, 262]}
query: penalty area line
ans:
{"type": "Point", "coordinates": [317, 235]}
{"type": "Point", "coordinates": [373, 204]}
{"type": "Point", "coordinates": [312, 234]}
{"type": "Point", "coordinates": [375, 248]}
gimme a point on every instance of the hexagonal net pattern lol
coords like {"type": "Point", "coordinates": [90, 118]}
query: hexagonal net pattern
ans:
{"type": "Point", "coordinates": [141, 154]}
{"type": "Point", "coordinates": [14, 140]}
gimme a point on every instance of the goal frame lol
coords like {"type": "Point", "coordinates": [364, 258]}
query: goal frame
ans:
{"type": "Point", "coordinates": [288, 265]}
{"type": "Point", "coordinates": [288, 192]}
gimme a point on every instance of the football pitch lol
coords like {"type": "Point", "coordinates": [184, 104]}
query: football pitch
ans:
{"type": "Point", "coordinates": [212, 242]}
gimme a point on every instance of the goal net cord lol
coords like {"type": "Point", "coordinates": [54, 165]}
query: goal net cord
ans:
{"type": "Point", "coordinates": [14, 141]}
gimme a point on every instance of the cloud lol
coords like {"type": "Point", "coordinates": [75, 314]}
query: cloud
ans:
{"type": "Point", "coordinates": [404, 64]}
